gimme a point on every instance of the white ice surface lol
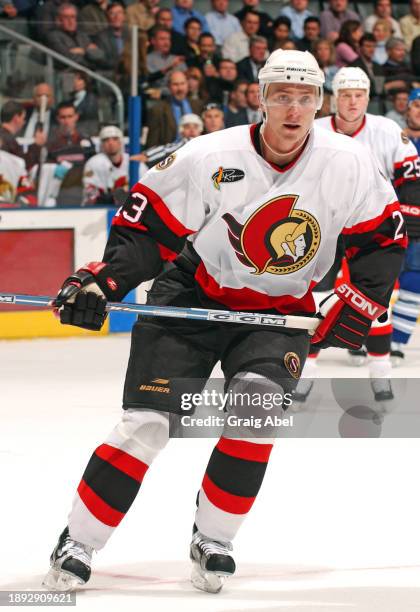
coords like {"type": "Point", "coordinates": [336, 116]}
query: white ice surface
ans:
{"type": "Point", "coordinates": [336, 526]}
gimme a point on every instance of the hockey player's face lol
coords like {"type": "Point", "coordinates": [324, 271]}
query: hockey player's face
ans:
{"type": "Point", "coordinates": [111, 146]}
{"type": "Point", "coordinates": [290, 113]}
{"type": "Point", "coordinates": [413, 115]}
{"type": "Point", "coordinates": [352, 104]}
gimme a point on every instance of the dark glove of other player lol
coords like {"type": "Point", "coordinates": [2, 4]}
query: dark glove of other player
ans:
{"type": "Point", "coordinates": [347, 316]}
{"type": "Point", "coordinates": [82, 298]}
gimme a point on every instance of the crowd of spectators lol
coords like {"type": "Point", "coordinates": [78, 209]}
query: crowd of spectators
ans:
{"type": "Point", "coordinates": [200, 66]}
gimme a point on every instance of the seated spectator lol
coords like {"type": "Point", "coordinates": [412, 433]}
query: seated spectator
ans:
{"type": "Point", "coordinates": [46, 17]}
{"type": "Point", "coordinates": [374, 70]}
{"type": "Point", "coordinates": [165, 20]}
{"type": "Point", "coordinates": [413, 118]}
{"type": "Point", "coordinates": [7, 9]}
{"type": "Point", "coordinates": [236, 46]}
{"type": "Point", "coordinates": [71, 42]}
{"type": "Point", "coordinates": [12, 117]}
{"type": "Point", "coordinates": [196, 84]}
{"type": "Point", "coordinates": [235, 113]}
{"type": "Point", "coordinates": [253, 109]}
{"type": "Point", "coordinates": [249, 67]}
{"type": "Point", "coordinates": [221, 23]}
{"type": "Point", "coordinates": [383, 10]}
{"type": "Point", "coordinates": [182, 11]}
{"type": "Point", "coordinates": [106, 174]}
{"type": "Point", "coordinates": [220, 86]}
{"type": "Point", "coordinates": [142, 13]}
{"type": "Point", "coordinates": [397, 72]}
{"type": "Point", "coordinates": [312, 33]}
{"type": "Point", "coordinates": [208, 58]}
{"type": "Point", "coordinates": [41, 92]}
{"type": "Point", "coordinates": [213, 118]}
{"type": "Point", "coordinates": [92, 17]}
{"type": "Point", "coordinates": [165, 116]}
{"type": "Point", "coordinates": [410, 24]}
{"type": "Point", "coordinates": [347, 44]}
{"type": "Point", "coordinates": [113, 39]}
{"type": "Point", "coordinates": [69, 148]}
{"type": "Point", "coordinates": [190, 126]}
{"type": "Point", "coordinates": [86, 104]}
{"type": "Point", "coordinates": [280, 33]}
{"type": "Point", "coordinates": [333, 18]}
{"type": "Point", "coordinates": [192, 35]}
{"type": "Point", "coordinates": [382, 33]}
{"type": "Point", "coordinates": [415, 56]}
{"type": "Point", "coordinates": [160, 60]}
{"type": "Point", "coordinates": [266, 21]}
{"type": "Point", "coordinates": [324, 52]}
{"type": "Point", "coordinates": [399, 108]}
{"type": "Point", "coordinates": [297, 11]}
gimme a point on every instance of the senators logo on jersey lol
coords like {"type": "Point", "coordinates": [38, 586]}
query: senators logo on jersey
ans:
{"type": "Point", "coordinates": [277, 238]}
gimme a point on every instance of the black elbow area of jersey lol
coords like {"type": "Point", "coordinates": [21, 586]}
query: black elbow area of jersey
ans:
{"type": "Point", "coordinates": [133, 256]}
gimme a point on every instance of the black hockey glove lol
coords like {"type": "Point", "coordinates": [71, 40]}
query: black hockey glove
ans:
{"type": "Point", "coordinates": [82, 298]}
{"type": "Point", "coordinates": [347, 316]}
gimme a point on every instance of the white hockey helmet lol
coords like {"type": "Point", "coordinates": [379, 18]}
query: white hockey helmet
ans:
{"type": "Point", "coordinates": [294, 67]}
{"type": "Point", "coordinates": [350, 78]}
{"type": "Point", "coordinates": [191, 118]}
{"type": "Point", "coordinates": [110, 131]}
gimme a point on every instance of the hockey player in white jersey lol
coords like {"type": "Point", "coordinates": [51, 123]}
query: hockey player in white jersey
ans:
{"type": "Point", "coordinates": [249, 219]}
{"type": "Point", "coordinates": [16, 188]}
{"type": "Point", "coordinates": [394, 154]}
{"type": "Point", "coordinates": [107, 171]}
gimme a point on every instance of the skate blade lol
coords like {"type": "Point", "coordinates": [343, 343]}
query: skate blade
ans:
{"type": "Point", "coordinates": [207, 581]}
{"type": "Point", "coordinates": [57, 580]}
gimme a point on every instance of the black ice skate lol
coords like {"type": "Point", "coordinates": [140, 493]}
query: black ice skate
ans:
{"type": "Point", "coordinates": [397, 354]}
{"type": "Point", "coordinates": [212, 563]}
{"type": "Point", "coordinates": [382, 389]}
{"type": "Point", "coordinates": [70, 564]}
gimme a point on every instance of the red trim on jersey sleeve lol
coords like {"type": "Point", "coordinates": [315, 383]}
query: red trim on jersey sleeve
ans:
{"type": "Point", "coordinates": [250, 451]}
{"type": "Point", "coordinates": [385, 241]}
{"type": "Point", "coordinates": [351, 252]}
{"type": "Point", "coordinates": [162, 210]}
{"type": "Point", "coordinates": [100, 509]}
{"type": "Point", "coordinates": [124, 462]}
{"type": "Point", "coordinates": [166, 253]}
{"type": "Point", "coordinates": [403, 179]}
{"type": "Point", "coordinates": [248, 299]}
{"type": "Point", "coordinates": [119, 220]}
{"type": "Point", "coordinates": [406, 159]}
{"type": "Point", "coordinates": [371, 224]}
{"type": "Point", "coordinates": [235, 504]}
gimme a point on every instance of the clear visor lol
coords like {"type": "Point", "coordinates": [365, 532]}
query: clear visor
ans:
{"type": "Point", "coordinates": [285, 100]}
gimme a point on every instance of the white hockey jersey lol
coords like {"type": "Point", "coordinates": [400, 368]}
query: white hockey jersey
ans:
{"type": "Point", "coordinates": [101, 177]}
{"type": "Point", "coordinates": [395, 153]}
{"type": "Point", "coordinates": [264, 235]}
{"type": "Point", "coordinates": [15, 186]}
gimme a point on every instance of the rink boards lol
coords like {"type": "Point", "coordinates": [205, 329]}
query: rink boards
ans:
{"type": "Point", "coordinates": [39, 249]}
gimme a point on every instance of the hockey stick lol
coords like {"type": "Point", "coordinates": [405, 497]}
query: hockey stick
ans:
{"type": "Point", "coordinates": [197, 314]}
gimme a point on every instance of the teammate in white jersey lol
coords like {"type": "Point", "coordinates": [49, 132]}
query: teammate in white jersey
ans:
{"type": "Point", "coordinates": [249, 218]}
{"type": "Point", "coordinates": [394, 154]}
{"type": "Point", "coordinates": [16, 189]}
{"type": "Point", "coordinates": [107, 171]}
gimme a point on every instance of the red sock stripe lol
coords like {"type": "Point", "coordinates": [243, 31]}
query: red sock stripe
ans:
{"type": "Point", "coordinates": [245, 450]}
{"type": "Point", "coordinates": [100, 509]}
{"type": "Point", "coordinates": [122, 461]}
{"type": "Point", "coordinates": [381, 331]}
{"type": "Point", "coordinates": [226, 501]}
